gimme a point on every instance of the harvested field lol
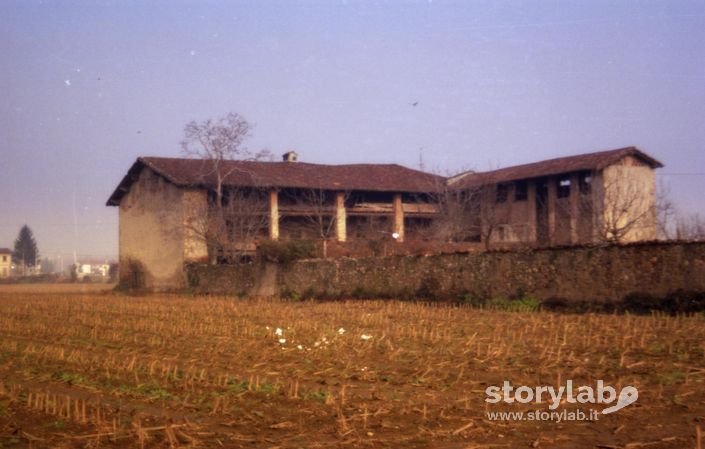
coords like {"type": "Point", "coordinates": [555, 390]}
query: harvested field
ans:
{"type": "Point", "coordinates": [67, 289]}
{"type": "Point", "coordinates": [102, 370]}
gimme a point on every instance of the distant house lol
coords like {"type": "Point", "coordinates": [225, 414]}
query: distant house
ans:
{"type": "Point", "coordinates": [173, 211]}
{"type": "Point", "coordinates": [5, 262]}
{"type": "Point", "coordinates": [93, 268]}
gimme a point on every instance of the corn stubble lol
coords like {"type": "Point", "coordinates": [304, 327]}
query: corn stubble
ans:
{"type": "Point", "coordinates": [96, 370]}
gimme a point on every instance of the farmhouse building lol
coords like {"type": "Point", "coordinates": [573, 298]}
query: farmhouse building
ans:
{"type": "Point", "coordinates": [5, 262]}
{"type": "Point", "coordinates": [173, 211]}
{"type": "Point", "coordinates": [168, 213]}
{"type": "Point", "coordinates": [602, 196]}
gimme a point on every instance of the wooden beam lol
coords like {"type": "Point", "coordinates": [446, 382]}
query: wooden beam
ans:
{"type": "Point", "coordinates": [386, 208]}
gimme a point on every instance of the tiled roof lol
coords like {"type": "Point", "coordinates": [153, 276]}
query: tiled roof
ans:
{"type": "Point", "coordinates": [366, 177]}
{"type": "Point", "coordinates": [5, 251]}
{"type": "Point", "coordinates": [589, 161]}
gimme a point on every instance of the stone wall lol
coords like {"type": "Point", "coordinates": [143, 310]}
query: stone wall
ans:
{"type": "Point", "coordinates": [576, 273]}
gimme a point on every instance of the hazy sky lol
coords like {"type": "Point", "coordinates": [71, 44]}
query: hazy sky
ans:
{"type": "Point", "coordinates": [86, 87]}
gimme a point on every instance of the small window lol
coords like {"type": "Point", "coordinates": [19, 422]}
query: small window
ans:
{"type": "Point", "coordinates": [563, 187]}
{"type": "Point", "coordinates": [502, 193]}
{"type": "Point", "coordinates": [4, 258]}
{"type": "Point", "coordinates": [585, 183]}
{"type": "Point", "coordinates": [521, 190]}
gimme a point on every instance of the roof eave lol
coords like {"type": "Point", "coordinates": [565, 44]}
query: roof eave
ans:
{"type": "Point", "coordinates": [630, 151]}
{"type": "Point", "coordinates": [126, 182]}
{"type": "Point", "coordinates": [653, 163]}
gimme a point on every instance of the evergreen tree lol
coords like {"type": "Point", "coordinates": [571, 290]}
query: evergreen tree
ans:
{"type": "Point", "coordinates": [25, 253]}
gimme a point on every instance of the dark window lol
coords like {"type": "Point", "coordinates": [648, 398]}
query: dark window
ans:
{"type": "Point", "coordinates": [585, 183]}
{"type": "Point", "coordinates": [4, 258]}
{"type": "Point", "coordinates": [521, 190]}
{"type": "Point", "coordinates": [563, 187]}
{"type": "Point", "coordinates": [502, 192]}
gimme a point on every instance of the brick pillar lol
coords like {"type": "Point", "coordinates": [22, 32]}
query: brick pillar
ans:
{"type": "Point", "coordinates": [274, 215]}
{"type": "Point", "coordinates": [195, 210]}
{"type": "Point", "coordinates": [531, 233]}
{"type": "Point", "coordinates": [398, 217]}
{"type": "Point", "coordinates": [551, 184]}
{"type": "Point", "coordinates": [574, 212]}
{"type": "Point", "coordinates": [340, 217]}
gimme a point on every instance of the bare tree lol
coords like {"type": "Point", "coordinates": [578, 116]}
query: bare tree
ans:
{"type": "Point", "coordinates": [666, 218]}
{"type": "Point", "coordinates": [453, 209]}
{"type": "Point", "coordinates": [626, 206]}
{"type": "Point", "coordinates": [245, 221]}
{"type": "Point", "coordinates": [317, 208]}
{"type": "Point", "coordinates": [465, 214]}
{"type": "Point", "coordinates": [454, 216]}
{"type": "Point", "coordinates": [492, 217]}
{"type": "Point", "coordinates": [690, 227]}
{"type": "Point", "coordinates": [233, 229]}
{"type": "Point", "coordinates": [218, 141]}
{"type": "Point", "coordinates": [234, 216]}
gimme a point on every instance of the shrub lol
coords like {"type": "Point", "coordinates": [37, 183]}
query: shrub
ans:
{"type": "Point", "coordinates": [360, 292]}
{"type": "Point", "coordinates": [678, 301]}
{"type": "Point", "coordinates": [309, 293]}
{"type": "Point", "coordinates": [684, 301]}
{"type": "Point", "coordinates": [523, 304]}
{"type": "Point", "coordinates": [473, 299]}
{"type": "Point", "coordinates": [113, 272]}
{"type": "Point", "coordinates": [640, 302]}
{"type": "Point", "coordinates": [287, 293]}
{"type": "Point", "coordinates": [376, 246]}
{"type": "Point", "coordinates": [286, 252]}
{"type": "Point", "coordinates": [430, 288]}
{"type": "Point", "coordinates": [193, 276]}
{"type": "Point", "coordinates": [133, 276]}
{"type": "Point", "coordinates": [556, 304]}
{"type": "Point", "coordinates": [406, 294]}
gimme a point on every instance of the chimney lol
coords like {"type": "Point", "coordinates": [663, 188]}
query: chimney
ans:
{"type": "Point", "coordinates": [290, 156]}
